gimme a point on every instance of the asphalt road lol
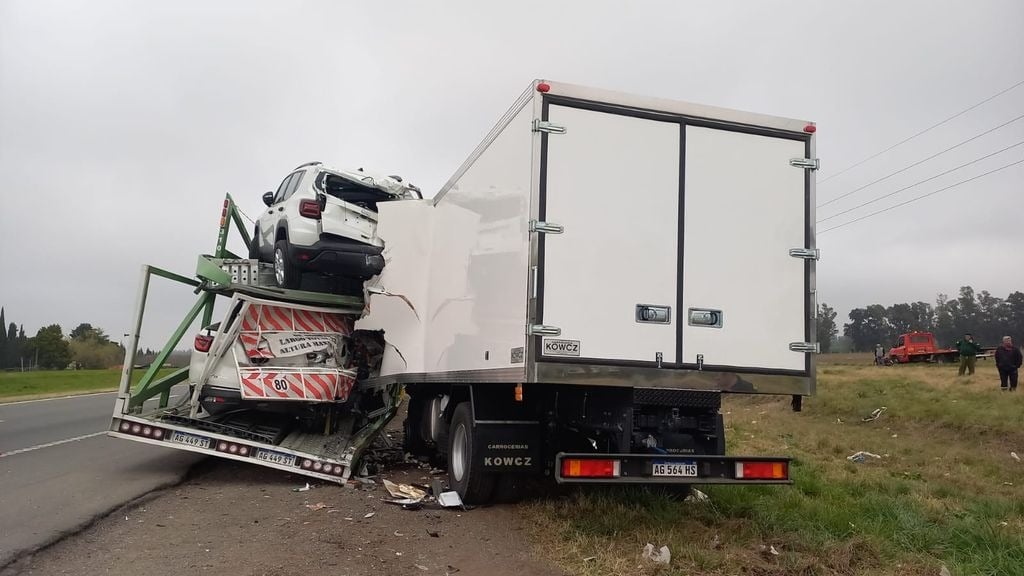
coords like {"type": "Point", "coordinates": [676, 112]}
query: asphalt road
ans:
{"type": "Point", "coordinates": [59, 471]}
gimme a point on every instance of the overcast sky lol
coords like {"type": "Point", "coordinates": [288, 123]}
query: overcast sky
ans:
{"type": "Point", "coordinates": [123, 124]}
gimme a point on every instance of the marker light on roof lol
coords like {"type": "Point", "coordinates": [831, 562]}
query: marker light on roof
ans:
{"type": "Point", "coordinates": [543, 87]}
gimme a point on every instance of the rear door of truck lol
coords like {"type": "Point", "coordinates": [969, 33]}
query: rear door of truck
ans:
{"type": "Point", "coordinates": [675, 250]}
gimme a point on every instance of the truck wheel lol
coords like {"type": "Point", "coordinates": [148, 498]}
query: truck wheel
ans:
{"type": "Point", "coordinates": [285, 273]}
{"type": "Point", "coordinates": [465, 473]}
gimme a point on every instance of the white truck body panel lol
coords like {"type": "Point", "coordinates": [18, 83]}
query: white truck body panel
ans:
{"type": "Point", "coordinates": [746, 270]}
{"type": "Point", "coordinates": [613, 184]}
{"type": "Point", "coordinates": [660, 203]}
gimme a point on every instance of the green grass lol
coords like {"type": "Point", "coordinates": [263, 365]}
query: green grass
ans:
{"type": "Point", "coordinates": [939, 496]}
{"type": "Point", "coordinates": [62, 381]}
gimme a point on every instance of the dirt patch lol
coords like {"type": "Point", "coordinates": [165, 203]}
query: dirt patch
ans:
{"type": "Point", "coordinates": [240, 519]}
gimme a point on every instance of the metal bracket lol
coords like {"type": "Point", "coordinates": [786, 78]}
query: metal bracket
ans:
{"type": "Point", "coordinates": [805, 253]}
{"type": "Point", "coordinates": [807, 163]}
{"type": "Point", "coordinates": [806, 347]}
{"type": "Point", "coordinates": [542, 330]}
{"type": "Point", "coordinates": [546, 227]}
{"type": "Point", "coordinates": [545, 126]}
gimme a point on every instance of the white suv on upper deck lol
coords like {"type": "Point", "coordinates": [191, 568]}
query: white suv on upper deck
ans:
{"type": "Point", "coordinates": [325, 220]}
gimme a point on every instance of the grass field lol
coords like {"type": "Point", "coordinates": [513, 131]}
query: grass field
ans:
{"type": "Point", "coordinates": [18, 384]}
{"type": "Point", "coordinates": [945, 492]}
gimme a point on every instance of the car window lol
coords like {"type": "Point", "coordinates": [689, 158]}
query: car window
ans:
{"type": "Point", "coordinates": [280, 194]}
{"type": "Point", "coordinates": [293, 185]}
{"type": "Point", "coordinates": [918, 339]}
{"type": "Point", "coordinates": [899, 343]}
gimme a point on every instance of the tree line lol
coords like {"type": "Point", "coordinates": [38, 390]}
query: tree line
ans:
{"type": "Point", "coordinates": [987, 317]}
{"type": "Point", "coordinates": [86, 347]}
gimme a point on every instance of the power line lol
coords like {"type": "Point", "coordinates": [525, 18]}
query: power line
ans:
{"type": "Point", "coordinates": [923, 196]}
{"type": "Point", "coordinates": [919, 162]}
{"type": "Point", "coordinates": [975, 161]}
{"type": "Point", "coordinates": [928, 129]}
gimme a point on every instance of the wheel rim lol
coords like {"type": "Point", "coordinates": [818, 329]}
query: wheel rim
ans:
{"type": "Point", "coordinates": [459, 455]}
{"type": "Point", "coordinates": [279, 267]}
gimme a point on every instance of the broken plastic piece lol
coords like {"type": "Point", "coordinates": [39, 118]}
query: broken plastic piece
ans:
{"type": "Point", "coordinates": [874, 414]}
{"type": "Point", "coordinates": [303, 489]}
{"type": "Point", "coordinates": [862, 456]}
{"type": "Point", "coordinates": [404, 491]}
{"type": "Point", "coordinates": [449, 499]}
{"type": "Point", "coordinates": [697, 496]}
{"type": "Point", "coordinates": [660, 556]}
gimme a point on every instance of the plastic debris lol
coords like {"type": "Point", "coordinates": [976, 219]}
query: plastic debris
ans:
{"type": "Point", "coordinates": [696, 496]}
{"type": "Point", "coordinates": [303, 489]}
{"type": "Point", "coordinates": [659, 556]}
{"type": "Point", "coordinates": [874, 415]}
{"type": "Point", "coordinates": [944, 571]}
{"type": "Point", "coordinates": [590, 558]}
{"type": "Point", "coordinates": [369, 515]}
{"type": "Point", "coordinates": [862, 456]}
{"type": "Point", "coordinates": [449, 499]}
{"type": "Point", "coordinates": [404, 491]}
{"type": "Point", "coordinates": [317, 506]}
{"type": "Point", "coordinates": [1004, 524]}
{"type": "Point", "coordinates": [399, 534]}
{"type": "Point", "coordinates": [1014, 456]}
{"type": "Point", "coordinates": [402, 501]}
{"type": "Point", "coordinates": [769, 550]}
{"type": "Point", "coordinates": [420, 567]}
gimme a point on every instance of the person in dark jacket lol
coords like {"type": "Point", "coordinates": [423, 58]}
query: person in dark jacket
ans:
{"type": "Point", "coordinates": [969, 351]}
{"type": "Point", "coordinates": [1008, 361]}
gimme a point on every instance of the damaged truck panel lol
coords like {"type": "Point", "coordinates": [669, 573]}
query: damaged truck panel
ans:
{"type": "Point", "coordinates": [464, 263]}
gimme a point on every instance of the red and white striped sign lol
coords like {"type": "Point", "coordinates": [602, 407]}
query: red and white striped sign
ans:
{"type": "Point", "coordinates": [268, 318]}
{"type": "Point", "coordinates": [308, 386]}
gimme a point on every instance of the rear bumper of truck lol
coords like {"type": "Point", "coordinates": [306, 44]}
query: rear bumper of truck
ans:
{"type": "Point", "coordinates": [670, 469]}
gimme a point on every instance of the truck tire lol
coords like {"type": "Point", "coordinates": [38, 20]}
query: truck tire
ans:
{"type": "Point", "coordinates": [286, 274]}
{"type": "Point", "coordinates": [465, 473]}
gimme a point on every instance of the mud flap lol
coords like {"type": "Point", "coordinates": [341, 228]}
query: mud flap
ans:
{"type": "Point", "coordinates": [509, 447]}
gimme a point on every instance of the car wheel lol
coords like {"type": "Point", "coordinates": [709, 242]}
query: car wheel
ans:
{"type": "Point", "coordinates": [465, 473]}
{"type": "Point", "coordinates": [286, 274]}
{"type": "Point", "coordinates": [254, 246]}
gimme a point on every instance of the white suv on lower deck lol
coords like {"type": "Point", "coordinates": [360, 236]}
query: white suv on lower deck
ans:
{"type": "Point", "coordinates": [325, 220]}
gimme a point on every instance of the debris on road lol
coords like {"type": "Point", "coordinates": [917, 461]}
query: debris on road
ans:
{"type": "Point", "coordinates": [1014, 456]}
{"type": "Point", "coordinates": [421, 567]}
{"type": "Point", "coordinates": [433, 534]}
{"type": "Point", "coordinates": [405, 491]}
{"type": "Point", "coordinates": [697, 496]}
{"type": "Point", "coordinates": [302, 489]}
{"type": "Point", "coordinates": [369, 515]}
{"type": "Point", "coordinates": [660, 556]}
{"type": "Point", "coordinates": [874, 414]}
{"type": "Point", "coordinates": [317, 506]}
{"type": "Point", "coordinates": [862, 456]}
{"type": "Point", "coordinates": [449, 499]}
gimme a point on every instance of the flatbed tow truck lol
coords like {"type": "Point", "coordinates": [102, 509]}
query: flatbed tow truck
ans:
{"type": "Point", "coordinates": [272, 440]}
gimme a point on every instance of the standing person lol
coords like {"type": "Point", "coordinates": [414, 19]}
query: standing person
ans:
{"type": "Point", "coordinates": [969, 350]}
{"type": "Point", "coordinates": [1008, 361]}
{"type": "Point", "coordinates": [879, 355]}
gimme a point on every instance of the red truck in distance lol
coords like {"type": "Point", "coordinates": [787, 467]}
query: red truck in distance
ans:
{"type": "Point", "coordinates": [921, 347]}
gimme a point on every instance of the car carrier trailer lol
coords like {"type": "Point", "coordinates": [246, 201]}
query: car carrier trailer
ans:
{"type": "Point", "coordinates": [582, 292]}
{"type": "Point", "coordinates": [270, 438]}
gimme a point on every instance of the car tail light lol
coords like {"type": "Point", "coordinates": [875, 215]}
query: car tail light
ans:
{"type": "Point", "coordinates": [578, 468]}
{"type": "Point", "coordinates": [309, 209]}
{"type": "Point", "coordinates": [762, 470]}
{"type": "Point", "coordinates": [203, 343]}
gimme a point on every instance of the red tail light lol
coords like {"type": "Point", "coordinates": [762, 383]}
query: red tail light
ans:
{"type": "Point", "coordinates": [762, 470]}
{"type": "Point", "coordinates": [203, 343]}
{"type": "Point", "coordinates": [309, 209]}
{"type": "Point", "coordinates": [578, 468]}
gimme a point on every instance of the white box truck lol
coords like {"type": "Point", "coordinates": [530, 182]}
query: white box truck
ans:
{"type": "Point", "coordinates": [572, 304]}
{"type": "Point", "coordinates": [577, 298]}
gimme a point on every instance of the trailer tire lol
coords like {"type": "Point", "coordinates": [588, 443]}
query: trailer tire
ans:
{"type": "Point", "coordinates": [465, 473]}
{"type": "Point", "coordinates": [286, 274]}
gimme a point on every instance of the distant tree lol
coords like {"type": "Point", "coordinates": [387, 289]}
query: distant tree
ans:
{"type": "Point", "coordinates": [826, 327]}
{"type": "Point", "coordinates": [91, 353]}
{"type": "Point", "coordinates": [13, 348]}
{"type": "Point", "coordinates": [49, 346]}
{"type": "Point", "coordinates": [867, 327]}
{"type": "Point", "coordinates": [901, 319]}
{"type": "Point", "coordinates": [86, 331]}
{"type": "Point", "coordinates": [923, 315]}
{"type": "Point", "coordinates": [3, 340]}
{"type": "Point", "coordinates": [1014, 310]}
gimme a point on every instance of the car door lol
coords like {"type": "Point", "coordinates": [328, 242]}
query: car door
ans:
{"type": "Point", "coordinates": [270, 218]}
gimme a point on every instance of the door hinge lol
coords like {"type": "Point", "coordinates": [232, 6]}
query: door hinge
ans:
{"type": "Point", "coordinates": [808, 163]}
{"type": "Point", "coordinates": [542, 330]}
{"type": "Point", "coordinates": [546, 227]}
{"type": "Point", "coordinates": [806, 347]}
{"type": "Point", "coordinates": [805, 253]}
{"type": "Point", "coordinates": [545, 126]}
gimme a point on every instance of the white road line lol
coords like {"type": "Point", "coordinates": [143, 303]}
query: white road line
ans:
{"type": "Point", "coordinates": [49, 444]}
{"type": "Point", "coordinates": [2, 403]}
